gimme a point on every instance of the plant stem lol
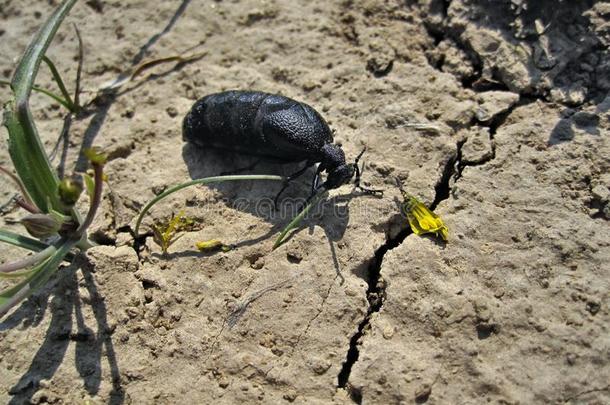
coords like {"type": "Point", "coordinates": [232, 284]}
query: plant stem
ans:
{"type": "Point", "coordinates": [36, 278]}
{"type": "Point", "coordinates": [98, 178]}
{"type": "Point", "coordinates": [28, 261]}
{"type": "Point", "coordinates": [25, 201]}
{"type": "Point", "coordinates": [85, 244]}
{"type": "Point", "coordinates": [206, 180]}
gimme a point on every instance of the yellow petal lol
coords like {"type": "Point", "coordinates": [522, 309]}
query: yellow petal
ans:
{"type": "Point", "coordinates": [212, 245]}
{"type": "Point", "coordinates": [422, 220]}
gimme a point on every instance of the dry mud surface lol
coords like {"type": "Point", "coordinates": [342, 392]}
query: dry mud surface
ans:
{"type": "Point", "coordinates": [494, 112]}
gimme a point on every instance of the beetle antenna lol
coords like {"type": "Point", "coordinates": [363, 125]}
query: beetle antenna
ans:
{"type": "Point", "coordinates": [359, 156]}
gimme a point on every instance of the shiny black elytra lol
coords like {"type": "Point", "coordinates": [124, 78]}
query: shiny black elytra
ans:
{"type": "Point", "coordinates": [273, 127]}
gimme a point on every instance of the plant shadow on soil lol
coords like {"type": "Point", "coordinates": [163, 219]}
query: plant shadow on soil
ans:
{"type": "Point", "coordinates": [90, 345]}
{"type": "Point", "coordinates": [66, 308]}
{"type": "Point", "coordinates": [105, 99]}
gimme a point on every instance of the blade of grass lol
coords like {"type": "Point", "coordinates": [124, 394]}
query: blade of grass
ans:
{"type": "Point", "coordinates": [46, 92]}
{"type": "Point", "coordinates": [297, 220]}
{"type": "Point", "coordinates": [54, 97]}
{"type": "Point", "coordinates": [127, 77]}
{"type": "Point", "coordinates": [206, 180]}
{"type": "Point", "coordinates": [174, 58]}
{"type": "Point", "coordinates": [37, 278]}
{"type": "Point", "coordinates": [60, 83]}
{"type": "Point", "coordinates": [25, 147]}
{"type": "Point", "coordinates": [26, 242]}
{"type": "Point", "coordinates": [21, 241]}
{"type": "Point", "coordinates": [79, 69]}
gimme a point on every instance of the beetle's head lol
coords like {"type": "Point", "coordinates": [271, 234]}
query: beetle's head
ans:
{"type": "Point", "coordinates": [339, 175]}
{"type": "Point", "coordinates": [339, 172]}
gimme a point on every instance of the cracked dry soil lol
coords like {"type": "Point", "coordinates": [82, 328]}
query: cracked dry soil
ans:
{"type": "Point", "coordinates": [494, 112]}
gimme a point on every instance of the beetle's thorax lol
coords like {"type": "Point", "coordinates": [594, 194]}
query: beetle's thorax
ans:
{"type": "Point", "coordinates": [333, 161]}
{"type": "Point", "coordinates": [332, 156]}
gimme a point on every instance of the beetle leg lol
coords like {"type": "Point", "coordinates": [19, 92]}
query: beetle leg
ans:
{"type": "Point", "coordinates": [316, 188]}
{"type": "Point", "coordinates": [289, 179]}
{"type": "Point", "coordinates": [316, 181]}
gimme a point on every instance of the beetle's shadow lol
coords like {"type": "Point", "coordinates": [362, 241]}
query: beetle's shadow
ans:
{"type": "Point", "coordinates": [255, 197]}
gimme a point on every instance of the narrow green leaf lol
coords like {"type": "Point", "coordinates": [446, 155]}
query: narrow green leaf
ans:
{"type": "Point", "coordinates": [24, 76]}
{"type": "Point", "coordinates": [30, 162]}
{"type": "Point", "coordinates": [29, 243]}
{"type": "Point", "coordinates": [297, 220]}
{"type": "Point", "coordinates": [79, 68]}
{"type": "Point", "coordinates": [18, 274]}
{"type": "Point", "coordinates": [6, 269]}
{"type": "Point", "coordinates": [89, 185]}
{"type": "Point", "coordinates": [43, 91]}
{"type": "Point", "coordinates": [21, 241]}
{"type": "Point", "coordinates": [60, 83]}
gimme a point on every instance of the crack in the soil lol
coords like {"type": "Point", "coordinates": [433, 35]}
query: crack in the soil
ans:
{"type": "Point", "coordinates": [375, 296]}
{"type": "Point", "coordinates": [443, 32]}
{"type": "Point", "coordinates": [586, 392]}
{"type": "Point", "coordinates": [376, 291]}
{"type": "Point", "coordinates": [241, 307]}
{"type": "Point", "coordinates": [493, 126]}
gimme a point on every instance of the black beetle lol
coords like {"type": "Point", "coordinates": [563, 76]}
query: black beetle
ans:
{"type": "Point", "coordinates": [273, 127]}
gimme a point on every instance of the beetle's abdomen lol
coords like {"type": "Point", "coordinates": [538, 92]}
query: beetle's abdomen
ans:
{"type": "Point", "coordinates": [257, 123]}
{"type": "Point", "coordinates": [222, 119]}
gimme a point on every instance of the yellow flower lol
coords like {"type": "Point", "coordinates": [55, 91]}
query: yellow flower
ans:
{"type": "Point", "coordinates": [421, 219]}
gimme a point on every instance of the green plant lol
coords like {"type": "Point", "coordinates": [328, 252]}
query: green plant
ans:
{"type": "Point", "coordinates": [165, 233]}
{"type": "Point", "coordinates": [50, 201]}
{"type": "Point", "coordinates": [296, 221]}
